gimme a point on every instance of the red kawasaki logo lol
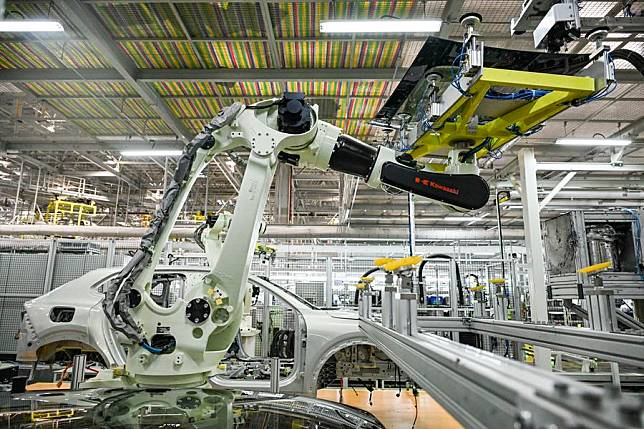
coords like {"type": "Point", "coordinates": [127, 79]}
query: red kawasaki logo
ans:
{"type": "Point", "coordinates": [430, 184]}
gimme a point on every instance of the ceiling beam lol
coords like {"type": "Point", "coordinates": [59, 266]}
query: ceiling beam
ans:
{"type": "Point", "coordinates": [205, 75]}
{"type": "Point", "coordinates": [83, 17]}
{"type": "Point", "coordinates": [226, 75]}
{"type": "Point", "coordinates": [494, 37]}
{"type": "Point", "coordinates": [38, 163]}
{"type": "Point", "coordinates": [101, 164]}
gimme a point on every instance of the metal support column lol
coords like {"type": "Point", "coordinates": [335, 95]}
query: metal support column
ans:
{"type": "Point", "coordinates": [33, 209]}
{"type": "Point", "coordinates": [275, 375]}
{"type": "Point", "coordinates": [116, 206]}
{"type": "Point", "coordinates": [15, 206]}
{"type": "Point", "coordinates": [388, 302]}
{"type": "Point", "coordinates": [328, 287]}
{"type": "Point", "coordinates": [266, 323]}
{"type": "Point", "coordinates": [407, 314]}
{"type": "Point", "coordinates": [51, 261]}
{"type": "Point", "coordinates": [111, 251]}
{"type": "Point", "coordinates": [534, 248]}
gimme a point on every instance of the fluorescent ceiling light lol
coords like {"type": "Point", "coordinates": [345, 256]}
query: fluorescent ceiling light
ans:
{"type": "Point", "coordinates": [98, 174]}
{"type": "Point", "coordinates": [461, 218]}
{"type": "Point", "coordinates": [382, 26]}
{"type": "Point", "coordinates": [25, 25]}
{"type": "Point", "coordinates": [151, 152]}
{"type": "Point", "coordinates": [592, 142]}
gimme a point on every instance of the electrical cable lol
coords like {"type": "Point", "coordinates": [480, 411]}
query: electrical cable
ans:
{"type": "Point", "coordinates": [524, 94]}
{"type": "Point", "coordinates": [414, 392]}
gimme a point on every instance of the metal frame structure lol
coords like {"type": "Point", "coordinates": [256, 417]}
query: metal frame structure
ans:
{"type": "Point", "coordinates": [467, 382]}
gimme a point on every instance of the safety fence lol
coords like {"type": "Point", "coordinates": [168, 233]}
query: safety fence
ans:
{"type": "Point", "coordinates": [31, 268]}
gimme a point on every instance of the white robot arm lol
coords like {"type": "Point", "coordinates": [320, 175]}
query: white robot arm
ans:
{"type": "Point", "coordinates": [181, 345]}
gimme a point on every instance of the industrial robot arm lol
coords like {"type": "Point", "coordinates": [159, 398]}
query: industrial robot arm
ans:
{"type": "Point", "coordinates": [182, 345]}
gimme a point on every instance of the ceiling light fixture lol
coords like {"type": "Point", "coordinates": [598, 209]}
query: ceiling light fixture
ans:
{"type": "Point", "coordinates": [462, 218]}
{"type": "Point", "coordinates": [382, 26]}
{"type": "Point", "coordinates": [592, 142]}
{"type": "Point", "coordinates": [151, 152]}
{"type": "Point", "coordinates": [29, 26]}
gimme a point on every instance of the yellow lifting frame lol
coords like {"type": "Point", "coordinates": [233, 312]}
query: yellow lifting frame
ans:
{"type": "Point", "coordinates": [564, 90]}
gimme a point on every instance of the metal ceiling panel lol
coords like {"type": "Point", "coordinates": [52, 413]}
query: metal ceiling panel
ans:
{"type": "Point", "coordinates": [78, 54]}
{"type": "Point", "coordinates": [494, 10]}
{"type": "Point", "coordinates": [624, 110]}
{"type": "Point", "coordinates": [120, 127]}
{"type": "Point", "coordinates": [326, 88]}
{"type": "Point", "coordinates": [327, 54]}
{"type": "Point", "coordinates": [198, 89]}
{"type": "Point", "coordinates": [596, 9]}
{"type": "Point", "coordinates": [195, 108]}
{"type": "Point", "coordinates": [359, 107]}
{"type": "Point", "coordinates": [25, 55]}
{"type": "Point", "coordinates": [584, 111]}
{"type": "Point", "coordinates": [358, 128]}
{"type": "Point", "coordinates": [162, 55]}
{"type": "Point", "coordinates": [142, 20]}
{"type": "Point", "coordinates": [75, 108]}
{"type": "Point", "coordinates": [234, 54]}
{"type": "Point", "coordinates": [81, 89]}
{"type": "Point", "coordinates": [222, 20]}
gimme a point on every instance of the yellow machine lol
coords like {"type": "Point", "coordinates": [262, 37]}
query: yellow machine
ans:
{"type": "Point", "coordinates": [69, 212]}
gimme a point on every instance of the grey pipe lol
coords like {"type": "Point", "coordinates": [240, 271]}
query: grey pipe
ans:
{"type": "Point", "coordinates": [273, 231]}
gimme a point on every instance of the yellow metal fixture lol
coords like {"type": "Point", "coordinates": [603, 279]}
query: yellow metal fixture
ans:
{"type": "Point", "coordinates": [456, 124]}
{"type": "Point", "coordinates": [401, 263]}
{"type": "Point", "coordinates": [596, 267]}
{"type": "Point", "coordinates": [69, 212]}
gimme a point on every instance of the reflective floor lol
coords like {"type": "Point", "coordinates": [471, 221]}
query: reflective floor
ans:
{"type": "Point", "coordinates": [175, 408]}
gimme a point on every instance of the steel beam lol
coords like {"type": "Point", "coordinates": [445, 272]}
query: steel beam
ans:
{"type": "Point", "coordinates": [101, 164]}
{"type": "Point", "coordinates": [38, 163]}
{"type": "Point", "coordinates": [558, 187]}
{"type": "Point", "coordinates": [622, 348]}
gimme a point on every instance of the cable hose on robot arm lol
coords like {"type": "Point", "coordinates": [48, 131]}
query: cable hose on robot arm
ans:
{"type": "Point", "coordinates": [117, 297]}
{"type": "Point", "coordinates": [367, 273]}
{"type": "Point", "coordinates": [197, 236]}
{"type": "Point", "coordinates": [459, 283]}
{"type": "Point", "coordinates": [634, 58]}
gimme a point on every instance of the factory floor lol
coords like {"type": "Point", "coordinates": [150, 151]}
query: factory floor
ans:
{"type": "Point", "coordinates": [394, 412]}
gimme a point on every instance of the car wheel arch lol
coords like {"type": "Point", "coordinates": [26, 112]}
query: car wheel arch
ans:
{"type": "Point", "coordinates": [330, 351]}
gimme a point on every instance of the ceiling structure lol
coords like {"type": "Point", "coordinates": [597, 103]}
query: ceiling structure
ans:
{"type": "Point", "coordinates": [141, 74]}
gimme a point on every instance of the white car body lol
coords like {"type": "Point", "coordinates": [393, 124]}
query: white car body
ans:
{"type": "Point", "coordinates": [320, 333]}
